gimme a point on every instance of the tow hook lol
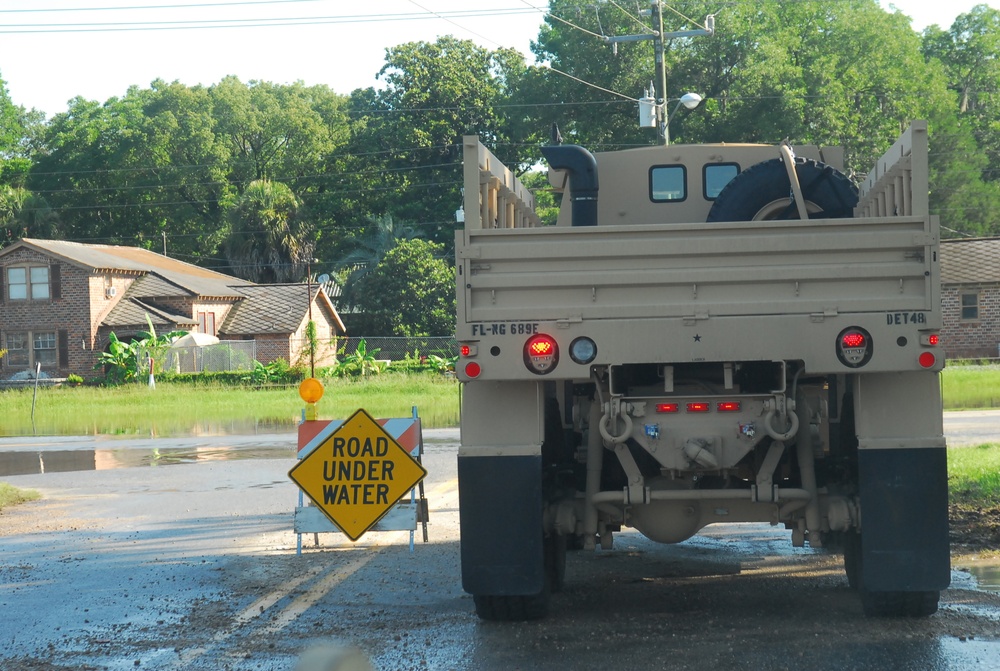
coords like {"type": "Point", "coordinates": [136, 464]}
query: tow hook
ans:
{"type": "Point", "coordinates": [615, 410]}
{"type": "Point", "coordinates": [785, 407]}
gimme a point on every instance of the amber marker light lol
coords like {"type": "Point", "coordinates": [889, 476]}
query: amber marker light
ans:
{"type": "Point", "coordinates": [311, 390]}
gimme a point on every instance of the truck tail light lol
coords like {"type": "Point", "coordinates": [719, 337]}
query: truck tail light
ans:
{"type": "Point", "coordinates": [927, 359]}
{"type": "Point", "coordinates": [541, 354]}
{"type": "Point", "coordinates": [473, 369]}
{"type": "Point", "coordinates": [728, 406]}
{"type": "Point", "coordinates": [699, 407]}
{"type": "Point", "coordinates": [854, 347]}
{"type": "Point", "coordinates": [467, 350]}
{"type": "Point", "coordinates": [667, 407]}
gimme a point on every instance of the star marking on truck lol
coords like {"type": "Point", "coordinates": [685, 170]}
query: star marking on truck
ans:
{"type": "Point", "coordinates": [697, 337]}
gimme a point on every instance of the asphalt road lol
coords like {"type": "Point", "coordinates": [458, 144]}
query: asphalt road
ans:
{"type": "Point", "coordinates": [179, 555]}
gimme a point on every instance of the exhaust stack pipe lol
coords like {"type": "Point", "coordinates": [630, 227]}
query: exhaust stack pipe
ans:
{"type": "Point", "coordinates": [583, 186]}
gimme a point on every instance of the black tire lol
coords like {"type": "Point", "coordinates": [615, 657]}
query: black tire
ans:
{"type": "Point", "coordinates": [512, 608]}
{"type": "Point", "coordinates": [899, 604]}
{"type": "Point", "coordinates": [761, 192]}
{"type": "Point", "coordinates": [555, 561]}
{"type": "Point", "coordinates": [852, 557]}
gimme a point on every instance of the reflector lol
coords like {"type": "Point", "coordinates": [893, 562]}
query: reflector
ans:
{"type": "Point", "coordinates": [927, 359]}
{"type": "Point", "coordinates": [472, 369]}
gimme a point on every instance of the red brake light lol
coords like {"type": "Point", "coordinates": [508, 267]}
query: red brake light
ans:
{"type": "Point", "coordinates": [698, 407]}
{"type": "Point", "coordinates": [728, 406]}
{"type": "Point", "coordinates": [541, 347]}
{"type": "Point", "coordinates": [667, 407]}
{"type": "Point", "coordinates": [853, 339]}
{"type": "Point", "coordinates": [933, 339]}
{"type": "Point", "coordinates": [541, 354]}
{"type": "Point", "coordinates": [465, 350]}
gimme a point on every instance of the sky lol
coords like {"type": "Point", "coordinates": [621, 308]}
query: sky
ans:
{"type": "Point", "coordinates": [54, 50]}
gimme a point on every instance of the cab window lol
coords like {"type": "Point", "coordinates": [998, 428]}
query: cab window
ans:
{"type": "Point", "coordinates": [717, 176]}
{"type": "Point", "coordinates": [667, 183]}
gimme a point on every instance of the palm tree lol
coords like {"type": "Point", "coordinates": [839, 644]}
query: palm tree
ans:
{"type": "Point", "coordinates": [270, 238]}
{"type": "Point", "coordinates": [367, 250]}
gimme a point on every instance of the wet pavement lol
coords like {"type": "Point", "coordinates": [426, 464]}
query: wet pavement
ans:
{"type": "Point", "coordinates": [125, 565]}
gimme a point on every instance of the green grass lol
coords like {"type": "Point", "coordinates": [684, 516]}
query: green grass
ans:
{"type": "Point", "coordinates": [974, 474]}
{"type": "Point", "coordinates": [178, 409]}
{"type": "Point", "coordinates": [11, 496]}
{"type": "Point", "coordinates": [970, 387]}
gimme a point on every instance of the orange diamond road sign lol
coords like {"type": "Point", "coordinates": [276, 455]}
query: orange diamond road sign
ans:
{"type": "Point", "coordinates": [356, 474]}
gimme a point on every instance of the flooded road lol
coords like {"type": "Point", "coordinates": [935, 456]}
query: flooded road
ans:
{"type": "Point", "coordinates": [127, 565]}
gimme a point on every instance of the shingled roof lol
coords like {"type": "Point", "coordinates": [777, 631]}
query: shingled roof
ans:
{"type": "Point", "coordinates": [970, 261]}
{"type": "Point", "coordinates": [132, 312]}
{"type": "Point", "coordinates": [193, 279]}
{"type": "Point", "coordinates": [277, 308]}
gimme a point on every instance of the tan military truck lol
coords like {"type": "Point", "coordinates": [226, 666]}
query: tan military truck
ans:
{"type": "Point", "coordinates": [710, 333]}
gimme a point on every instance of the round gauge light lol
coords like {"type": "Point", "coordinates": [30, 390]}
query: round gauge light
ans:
{"type": "Point", "coordinates": [583, 350]}
{"type": "Point", "coordinates": [541, 354]}
{"type": "Point", "coordinates": [854, 347]}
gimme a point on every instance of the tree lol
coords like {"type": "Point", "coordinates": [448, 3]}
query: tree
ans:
{"type": "Point", "coordinates": [411, 292]}
{"type": "Point", "coordinates": [773, 70]}
{"type": "Point", "coordinates": [968, 198]}
{"type": "Point", "coordinates": [270, 237]}
{"type": "Point", "coordinates": [410, 131]}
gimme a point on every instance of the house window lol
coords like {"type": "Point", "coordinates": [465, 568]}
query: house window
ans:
{"type": "Point", "coordinates": [28, 283]}
{"type": "Point", "coordinates": [970, 307]}
{"type": "Point", "coordinates": [27, 349]}
{"type": "Point", "coordinates": [206, 322]}
{"type": "Point", "coordinates": [17, 350]}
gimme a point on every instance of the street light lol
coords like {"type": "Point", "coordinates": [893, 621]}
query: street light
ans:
{"type": "Point", "coordinates": [689, 101]}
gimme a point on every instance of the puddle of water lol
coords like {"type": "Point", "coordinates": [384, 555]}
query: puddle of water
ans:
{"type": "Point", "coordinates": [987, 576]}
{"type": "Point", "coordinates": [62, 461]}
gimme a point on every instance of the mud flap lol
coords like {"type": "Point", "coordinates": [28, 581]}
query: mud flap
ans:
{"type": "Point", "coordinates": [500, 509]}
{"type": "Point", "coordinates": [904, 520]}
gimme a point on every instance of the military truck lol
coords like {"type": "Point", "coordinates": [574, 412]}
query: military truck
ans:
{"type": "Point", "coordinates": [708, 334]}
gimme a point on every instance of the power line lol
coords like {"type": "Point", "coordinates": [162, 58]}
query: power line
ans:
{"type": "Point", "coordinates": [188, 24]}
{"type": "Point", "coordinates": [39, 10]}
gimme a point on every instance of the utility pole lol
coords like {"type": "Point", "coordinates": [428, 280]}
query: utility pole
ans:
{"type": "Point", "coordinates": [659, 39]}
{"type": "Point", "coordinates": [659, 54]}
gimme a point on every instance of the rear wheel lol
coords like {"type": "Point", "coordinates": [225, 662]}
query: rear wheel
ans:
{"type": "Point", "coordinates": [512, 608]}
{"type": "Point", "coordinates": [899, 604]}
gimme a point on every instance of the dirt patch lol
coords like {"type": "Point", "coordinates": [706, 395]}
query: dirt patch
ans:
{"type": "Point", "coordinates": [975, 528]}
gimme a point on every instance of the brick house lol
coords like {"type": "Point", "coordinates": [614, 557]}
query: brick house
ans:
{"type": "Point", "coordinates": [970, 297]}
{"type": "Point", "coordinates": [60, 300]}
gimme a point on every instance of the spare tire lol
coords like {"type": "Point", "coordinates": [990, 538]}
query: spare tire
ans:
{"type": "Point", "coordinates": [762, 192]}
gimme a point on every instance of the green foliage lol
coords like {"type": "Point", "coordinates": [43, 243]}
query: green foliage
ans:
{"type": "Point", "coordinates": [12, 496]}
{"type": "Point", "coordinates": [73, 378]}
{"type": "Point", "coordinates": [974, 474]}
{"type": "Point", "coordinates": [970, 386]}
{"type": "Point", "coordinates": [360, 363]}
{"type": "Point", "coordinates": [270, 236]}
{"type": "Point", "coordinates": [127, 362]}
{"type": "Point", "coordinates": [410, 293]}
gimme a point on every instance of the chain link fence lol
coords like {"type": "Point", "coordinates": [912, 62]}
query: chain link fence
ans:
{"type": "Point", "coordinates": [397, 349]}
{"type": "Point", "coordinates": [227, 355]}
{"type": "Point", "coordinates": [236, 355]}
